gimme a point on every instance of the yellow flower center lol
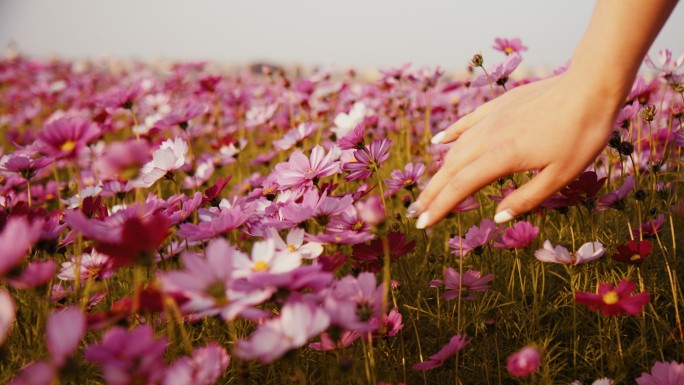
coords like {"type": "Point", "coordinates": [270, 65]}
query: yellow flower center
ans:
{"type": "Point", "coordinates": [635, 257]}
{"type": "Point", "coordinates": [611, 298]}
{"type": "Point", "coordinates": [68, 146]}
{"type": "Point", "coordinates": [407, 182]}
{"type": "Point", "coordinates": [508, 50]}
{"type": "Point", "coordinates": [357, 226]}
{"type": "Point", "coordinates": [260, 266]}
{"type": "Point", "coordinates": [309, 170]}
{"type": "Point", "coordinates": [292, 248]}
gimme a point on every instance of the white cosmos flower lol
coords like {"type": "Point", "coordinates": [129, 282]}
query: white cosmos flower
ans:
{"type": "Point", "coordinates": [168, 157]}
{"type": "Point", "coordinates": [346, 122]}
{"type": "Point", "coordinates": [294, 244]}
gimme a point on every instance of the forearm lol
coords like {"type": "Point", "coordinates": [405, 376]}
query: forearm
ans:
{"type": "Point", "coordinates": [613, 47]}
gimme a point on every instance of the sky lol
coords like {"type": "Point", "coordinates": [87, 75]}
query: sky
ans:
{"type": "Point", "coordinates": [337, 34]}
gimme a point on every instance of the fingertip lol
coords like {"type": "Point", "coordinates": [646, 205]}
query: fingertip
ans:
{"type": "Point", "coordinates": [438, 137]}
{"type": "Point", "coordinates": [504, 216]}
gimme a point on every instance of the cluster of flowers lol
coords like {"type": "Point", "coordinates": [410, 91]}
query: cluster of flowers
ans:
{"type": "Point", "coordinates": [86, 194]}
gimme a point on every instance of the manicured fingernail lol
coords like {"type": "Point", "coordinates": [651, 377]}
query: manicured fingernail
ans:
{"type": "Point", "coordinates": [438, 138]}
{"type": "Point", "coordinates": [503, 216]}
{"type": "Point", "coordinates": [412, 210]}
{"type": "Point", "coordinates": [422, 220]}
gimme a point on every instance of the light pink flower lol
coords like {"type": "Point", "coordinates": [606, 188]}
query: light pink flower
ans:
{"type": "Point", "coordinates": [663, 373]}
{"type": "Point", "coordinates": [455, 345]}
{"type": "Point", "coordinates": [521, 235]}
{"type": "Point", "coordinates": [475, 238]}
{"type": "Point", "coordinates": [67, 137]}
{"type": "Point", "coordinates": [298, 322]}
{"type": "Point", "coordinates": [8, 313]}
{"type": "Point", "coordinates": [36, 373]}
{"type": "Point", "coordinates": [466, 285]}
{"type": "Point", "coordinates": [524, 362]}
{"type": "Point", "coordinates": [64, 330]}
{"type": "Point", "coordinates": [204, 367]}
{"type": "Point", "coordinates": [294, 244]}
{"type": "Point", "coordinates": [168, 157]}
{"type": "Point", "coordinates": [509, 46]}
{"type": "Point", "coordinates": [500, 72]}
{"type": "Point", "coordinates": [586, 253]}
{"type": "Point", "coordinates": [16, 238]}
{"type": "Point", "coordinates": [301, 171]}
{"type": "Point", "coordinates": [35, 274]}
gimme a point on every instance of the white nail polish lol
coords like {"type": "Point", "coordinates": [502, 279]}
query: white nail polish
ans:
{"type": "Point", "coordinates": [438, 138]}
{"type": "Point", "coordinates": [422, 220]}
{"type": "Point", "coordinates": [504, 216]}
{"type": "Point", "coordinates": [412, 210]}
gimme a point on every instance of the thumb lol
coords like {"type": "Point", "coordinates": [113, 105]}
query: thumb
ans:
{"type": "Point", "coordinates": [530, 195]}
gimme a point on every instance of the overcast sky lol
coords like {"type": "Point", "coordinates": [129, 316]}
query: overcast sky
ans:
{"type": "Point", "coordinates": [359, 33]}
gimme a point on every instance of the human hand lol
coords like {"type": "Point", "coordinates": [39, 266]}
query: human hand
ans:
{"type": "Point", "coordinates": [557, 126]}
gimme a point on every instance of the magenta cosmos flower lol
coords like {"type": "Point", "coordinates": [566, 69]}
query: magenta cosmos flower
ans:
{"type": "Point", "coordinates": [465, 285]}
{"type": "Point", "coordinates": [298, 322]}
{"type": "Point", "coordinates": [367, 160]}
{"type": "Point", "coordinates": [524, 362]}
{"type": "Point", "coordinates": [499, 73]}
{"type": "Point", "coordinates": [633, 252]}
{"type": "Point", "coordinates": [509, 46]}
{"type": "Point", "coordinates": [663, 373]}
{"type": "Point", "coordinates": [407, 179]}
{"type": "Point", "coordinates": [301, 171]}
{"type": "Point", "coordinates": [23, 165]}
{"type": "Point", "coordinates": [520, 235]}
{"type": "Point", "coordinates": [455, 345]}
{"type": "Point", "coordinates": [613, 301]}
{"type": "Point", "coordinates": [64, 330]}
{"type": "Point", "coordinates": [67, 137]}
{"type": "Point", "coordinates": [16, 238]}
{"type": "Point", "coordinates": [475, 238]}
{"type": "Point", "coordinates": [125, 357]}
{"type": "Point", "coordinates": [354, 301]}
{"type": "Point", "coordinates": [7, 314]}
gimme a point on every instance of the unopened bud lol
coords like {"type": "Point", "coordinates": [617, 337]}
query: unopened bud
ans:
{"type": "Point", "coordinates": [648, 112]}
{"type": "Point", "coordinates": [477, 60]}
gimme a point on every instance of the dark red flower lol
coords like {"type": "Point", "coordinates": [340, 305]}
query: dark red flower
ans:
{"type": "Point", "coordinates": [138, 239]}
{"type": "Point", "coordinates": [613, 301]}
{"type": "Point", "coordinates": [633, 252]}
{"type": "Point", "coordinates": [586, 186]}
{"type": "Point", "coordinates": [371, 257]}
{"type": "Point", "coordinates": [213, 193]}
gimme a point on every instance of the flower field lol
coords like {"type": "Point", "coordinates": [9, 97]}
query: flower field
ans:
{"type": "Point", "coordinates": [185, 224]}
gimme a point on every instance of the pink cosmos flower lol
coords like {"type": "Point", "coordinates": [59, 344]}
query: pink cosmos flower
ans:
{"type": "Point", "coordinates": [509, 46]}
{"type": "Point", "coordinates": [64, 330]}
{"type": "Point", "coordinates": [93, 265]}
{"type": "Point", "coordinates": [328, 344]}
{"type": "Point", "coordinates": [129, 357]}
{"type": "Point", "coordinates": [586, 253]}
{"type": "Point", "coordinates": [465, 286]}
{"type": "Point", "coordinates": [663, 373]}
{"type": "Point", "coordinates": [67, 137]}
{"type": "Point", "coordinates": [301, 171]}
{"type": "Point", "coordinates": [295, 135]}
{"type": "Point", "coordinates": [455, 345]}
{"type": "Point", "coordinates": [354, 139]}
{"type": "Point", "coordinates": [298, 322]}
{"type": "Point", "coordinates": [17, 237]}
{"type": "Point", "coordinates": [23, 165]}
{"type": "Point", "coordinates": [521, 235]}
{"type": "Point", "coordinates": [649, 228]}
{"type": "Point", "coordinates": [122, 160]}
{"type": "Point", "coordinates": [180, 117]}
{"type": "Point", "coordinates": [499, 73]}
{"type": "Point", "coordinates": [168, 157]}
{"type": "Point", "coordinates": [8, 312]}
{"type": "Point", "coordinates": [524, 362]}
{"type": "Point", "coordinates": [367, 160]}
{"type": "Point", "coordinates": [121, 97]}
{"type": "Point", "coordinates": [345, 122]}
{"type": "Point", "coordinates": [264, 259]}
{"type": "Point", "coordinates": [204, 367]}
{"type": "Point", "coordinates": [371, 210]}
{"type": "Point", "coordinates": [217, 223]}
{"type": "Point", "coordinates": [207, 283]}
{"type": "Point", "coordinates": [36, 373]}
{"type": "Point", "coordinates": [406, 180]}
{"type": "Point", "coordinates": [34, 275]}
{"type": "Point", "coordinates": [353, 301]}
{"type": "Point", "coordinates": [613, 301]}
{"type": "Point", "coordinates": [666, 66]}
{"type": "Point", "coordinates": [615, 199]}
{"type": "Point", "coordinates": [475, 238]}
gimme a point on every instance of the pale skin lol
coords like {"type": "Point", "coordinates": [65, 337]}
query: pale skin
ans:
{"type": "Point", "coordinates": [557, 126]}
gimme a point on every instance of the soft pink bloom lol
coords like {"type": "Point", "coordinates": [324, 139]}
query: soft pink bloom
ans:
{"type": "Point", "coordinates": [36, 373]}
{"type": "Point", "coordinates": [663, 373]}
{"type": "Point", "coordinates": [205, 366]}
{"type": "Point", "coordinates": [455, 345]}
{"type": "Point", "coordinates": [354, 139]}
{"type": "Point", "coordinates": [93, 265]}
{"type": "Point", "coordinates": [294, 244]}
{"type": "Point", "coordinates": [500, 72]}
{"type": "Point", "coordinates": [301, 171]}
{"type": "Point", "coordinates": [649, 228]}
{"type": "Point", "coordinates": [35, 274]}
{"type": "Point", "coordinates": [8, 313]}
{"type": "Point", "coordinates": [666, 65]}
{"type": "Point", "coordinates": [181, 116]}
{"type": "Point", "coordinates": [217, 223]}
{"type": "Point", "coordinates": [23, 165]}
{"type": "Point", "coordinates": [371, 210]}
{"type": "Point", "coordinates": [407, 179]}
{"type": "Point", "coordinates": [295, 135]}
{"type": "Point", "coordinates": [16, 238]}
{"type": "Point", "coordinates": [207, 283]}
{"type": "Point", "coordinates": [524, 362]}
{"type": "Point", "coordinates": [129, 357]}
{"type": "Point", "coordinates": [509, 46]}
{"type": "Point", "coordinates": [466, 285]}
{"type": "Point", "coordinates": [327, 343]}
{"type": "Point", "coordinates": [64, 330]}
{"type": "Point", "coordinates": [67, 137]}
{"type": "Point", "coordinates": [298, 322]}
{"type": "Point", "coordinates": [367, 160]}
{"type": "Point", "coordinates": [586, 253]}
{"type": "Point", "coordinates": [615, 198]}
{"type": "Point", "coordinates": [354, 301]}
{"type": "Point", "coordinates": [613, 301]}
{"type": "Point", "coordinates": [475, 238]}
{"type": "Point", "coordinates": [520, 235]}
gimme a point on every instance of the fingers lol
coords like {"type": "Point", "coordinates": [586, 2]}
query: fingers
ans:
{"type": "Point", "coordinates": [455, 130]}
{"type": "Point", "coordinates": [532, 193]}
{"type": "Point", "coordinates": [470, 179]}
{"type": "Point", "coordinates": [458, 157]}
